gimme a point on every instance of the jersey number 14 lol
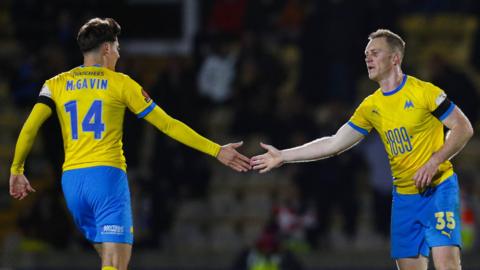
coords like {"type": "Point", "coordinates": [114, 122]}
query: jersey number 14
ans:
{"type": "Point", "coordinates": [92, 122]}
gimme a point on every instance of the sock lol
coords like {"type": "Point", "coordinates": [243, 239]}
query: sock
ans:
{"type": "Point", "coordinates": [109, 268]}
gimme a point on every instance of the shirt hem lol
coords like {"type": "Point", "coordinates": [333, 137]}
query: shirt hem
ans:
{"type": "Point", "coordinates": [120, 166]}
{"type": "Point", "coordinates": [410, 190]}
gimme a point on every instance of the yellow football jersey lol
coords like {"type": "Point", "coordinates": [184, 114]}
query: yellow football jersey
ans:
{"type": "Point", "coordinates": [410, 132]}
{"type": "Point", "coordinates": [90, 104]}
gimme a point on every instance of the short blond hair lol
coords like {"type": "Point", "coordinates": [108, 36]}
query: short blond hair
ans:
{"type": "Point", "coordinates": [393, 40]}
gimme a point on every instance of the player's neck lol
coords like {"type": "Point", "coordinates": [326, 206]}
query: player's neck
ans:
{"type": "Point", "coordinates": [392, 81]}
{"type": "Point", "coordinates": [92, 60]}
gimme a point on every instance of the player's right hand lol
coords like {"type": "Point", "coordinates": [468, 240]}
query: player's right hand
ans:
{"type": "Point", "coordinates": [20, 186]}
{"type": "Point", "coordinates": [229, 156]}
{"type": "Point", "coordinates": [265, 162]}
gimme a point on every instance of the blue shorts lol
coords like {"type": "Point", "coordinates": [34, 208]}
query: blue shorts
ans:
{"type": "Point", "coordinates": [423, 221]}
{"type": "Point", "coordinates": [99, 200]}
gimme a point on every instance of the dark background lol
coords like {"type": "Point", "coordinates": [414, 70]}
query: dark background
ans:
{"type": "Point", "coordinates": [282, 72]}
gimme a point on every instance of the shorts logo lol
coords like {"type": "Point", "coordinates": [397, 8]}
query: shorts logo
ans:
{"type": "Point", "coordinates": [447, 234]}
{"type": "Point", "coordinates": [113, 229]}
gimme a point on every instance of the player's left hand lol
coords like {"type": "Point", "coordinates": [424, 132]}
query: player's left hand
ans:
{"type": "Point", "coordinates": [20, 186]}
{"type": "Point", "coordinates": [229, 156]}
{"type": "Point", "coordinates": [423, 177]}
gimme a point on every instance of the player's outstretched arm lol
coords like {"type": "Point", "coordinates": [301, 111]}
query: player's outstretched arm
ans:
{"type": "Point", "coordinates": [345, 138]}
{"type": "Point", "coordinates": [19, 185]}
{"type": "Point", "coordinates": [177, 130]}
{"type": "Point", "coordinates": [460, 132]}
{"type": "Point", "coordinates": [229, 156]}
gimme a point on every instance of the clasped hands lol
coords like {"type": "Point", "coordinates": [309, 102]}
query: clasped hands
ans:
{"type": "Point", "coordinates": [230, 157]}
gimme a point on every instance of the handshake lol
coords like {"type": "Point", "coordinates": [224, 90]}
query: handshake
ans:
{"type": "Point", "coordinates": [229, 156]}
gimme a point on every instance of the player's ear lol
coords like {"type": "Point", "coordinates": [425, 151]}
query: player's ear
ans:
{"type": "Point", "coordinates": [105, 47]}
{"type": "Point", "coordinates": [396, 58]}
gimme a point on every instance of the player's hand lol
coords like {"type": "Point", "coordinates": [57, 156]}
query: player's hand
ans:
{"type": "Point", "coordinates": [19, 186]}
{"type": "Point", "coordinates": [423, 177]}
{"type": "Point", "coordinates": [229, 156]}
{"type": "Point", "coordinates": [265, 162]}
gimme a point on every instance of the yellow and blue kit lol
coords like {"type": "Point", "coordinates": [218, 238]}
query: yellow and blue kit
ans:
{"type": "Point", "coordinates": [408, 120]}
{"type": "Point", "coordinates": [90, 103]}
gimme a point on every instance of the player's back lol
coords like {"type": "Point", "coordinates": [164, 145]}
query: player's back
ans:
{"type": "Point", "coordinates": [90, 104]}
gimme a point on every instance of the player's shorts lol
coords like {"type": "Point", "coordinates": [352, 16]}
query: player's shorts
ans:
{"type": "Point", "coordinates": [99, 200]}
{"type": "Point", "coordinates": [426, 220]}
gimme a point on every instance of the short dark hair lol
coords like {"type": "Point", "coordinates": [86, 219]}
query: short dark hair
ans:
{"type": "Point", "coordinates": [96, 31]}
{"type": "Point", "coordinates": [393, 40]}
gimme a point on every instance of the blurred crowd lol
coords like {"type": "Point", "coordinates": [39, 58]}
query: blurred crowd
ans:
{"type": "Point", "coordinates": [279, 71]}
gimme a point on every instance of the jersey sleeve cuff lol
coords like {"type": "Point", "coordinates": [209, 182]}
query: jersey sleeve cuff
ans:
{"type": "Point", "coordinates": [447, 112]}
{"type": "Point", "coordinates": [146, 111]}
{"type": "Point", "coordinates": [357, 128]}
{"type": "Point", "coordinates": [216, 150]}
{"type": "Point", "coordinates": [16, 170]}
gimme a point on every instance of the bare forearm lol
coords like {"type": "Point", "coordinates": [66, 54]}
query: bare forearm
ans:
{"type": "Point", "coordinates": [460, 132]}
{"type": "Point", "coordinates": [314, 150]}
{"type": "Point", "coordinates": [325, 147]}
{"type": "Point", "coordinates": [454, 143]}
{"type": "Point", "coordinates": [344, 139]}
